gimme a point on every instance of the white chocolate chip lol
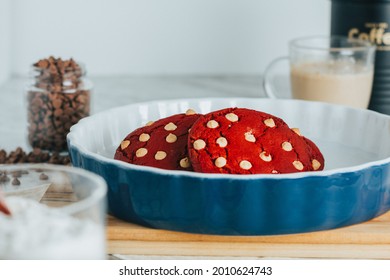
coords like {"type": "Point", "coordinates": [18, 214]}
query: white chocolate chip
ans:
{"type": "Point", "coordinates": [160, 155]}
{"type": "Point", "coordinates": [190, 112]}
{"type": "Point", "coordinates": [245, 165]}
{"type": "Point", "coordinates": [199, 144]}
{"type": "Point", "coordinates": [144, 137]}
{"type": "Point", "coordinates": [141, 152]}
{"type": "Point", "coordinates": [212, 124]}
{"type": "Point", "coordinates": [316, 164]}
{"type": "Point", "coordinates": [287, 146]}
{"type": "Point", "coordinates": [125, 144]}
{"type": "Point", "coordinates": [185, 163]}
{"type": "Point", "coordinates": [222, 142]}
{"type": "Point", "coordinates": [250, 137]}
{"type": "Point", "coordinates": [149, 123]}
{"type": "Point", "coordinates": [231, 117]}
{"type": "Point", "coordinates": [170, 126]}
{"type": "Point", "coordinates": [269, 122]}
{"type": "Point", "coordinates": [297, 131]}
{"type": "Point", "coordinates": [274, 171]}
{"type": "Point", "coordinates": [298, 165]}
{"type": "Point", "coordinates": [171, 138]}
{"type": "Point", "coordinates": [265, 157]}
{"type": "Point", "coordinates": [220, 162]}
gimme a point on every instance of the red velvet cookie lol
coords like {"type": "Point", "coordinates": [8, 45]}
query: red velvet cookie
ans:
{"type": "Point", "coordinates": [160, 144]}
{"type": "Point", "coordinates": [244, 141]}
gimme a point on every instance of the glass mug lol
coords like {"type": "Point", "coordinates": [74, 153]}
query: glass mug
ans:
{"type": "Point", "coordinates": [332, 69]}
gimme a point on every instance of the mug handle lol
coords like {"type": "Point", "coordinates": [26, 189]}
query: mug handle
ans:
{"type": "Point", "coordinates": [268, 85]}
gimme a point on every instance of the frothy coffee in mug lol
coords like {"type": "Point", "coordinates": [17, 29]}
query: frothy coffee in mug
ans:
{"type": "Point", "coordinates": [340, 82]}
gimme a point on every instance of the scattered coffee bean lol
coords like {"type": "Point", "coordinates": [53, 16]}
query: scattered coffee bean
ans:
{"type": "Point", "coordinates": [59, 98]}
{"type": "Point", "coordinates": [35, 156]}
{"type": "Point", "coordinates": [4, 178]}
{"type": "Point", "coordinates": [16, 174]}
{"type": "Point", "coordinates": [15, 182]}
{"type": "Point", "coordinates": [3, 156]}
{"type": "Point", "coordinates": [43, 177]}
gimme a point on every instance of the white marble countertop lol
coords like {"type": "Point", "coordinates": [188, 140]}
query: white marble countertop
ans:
{"type": "Point", "coordinates": [111, 92]}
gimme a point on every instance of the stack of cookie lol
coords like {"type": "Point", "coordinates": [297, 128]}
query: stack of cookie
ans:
{"type": "Point", "coordinates": [231, 140]}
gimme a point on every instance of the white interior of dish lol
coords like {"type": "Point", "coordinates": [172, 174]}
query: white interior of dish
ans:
{"type": "Point", "coordinates": [347, 137]}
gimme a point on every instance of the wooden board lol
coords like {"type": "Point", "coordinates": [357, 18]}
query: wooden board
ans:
{"type": "Point", "coordinates": [370, 240]}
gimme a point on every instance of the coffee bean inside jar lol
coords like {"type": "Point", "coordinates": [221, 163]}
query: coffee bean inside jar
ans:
{"type": "Point", "coordinates": [58, 97]}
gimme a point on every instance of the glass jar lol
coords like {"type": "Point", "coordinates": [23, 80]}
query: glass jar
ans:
{"type": "Point", "coordinates": [61, 214]}
{"type": "Point", "coordinates": [59, 95]}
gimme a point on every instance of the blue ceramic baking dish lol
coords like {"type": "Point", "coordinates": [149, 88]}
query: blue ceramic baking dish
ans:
{"type": "Point", "coordinates": [353, 188]}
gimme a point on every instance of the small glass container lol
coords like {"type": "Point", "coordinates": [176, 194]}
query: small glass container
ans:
{"type": "Point", "coordinates": [57, 212]}
{"type": "Point", "coordinates": [59, 95]}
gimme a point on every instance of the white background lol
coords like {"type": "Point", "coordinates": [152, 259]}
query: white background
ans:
{"type": "Point", "coordinates": [4, 40]}
{"type": "Point", "coordinates": [156, 37]}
